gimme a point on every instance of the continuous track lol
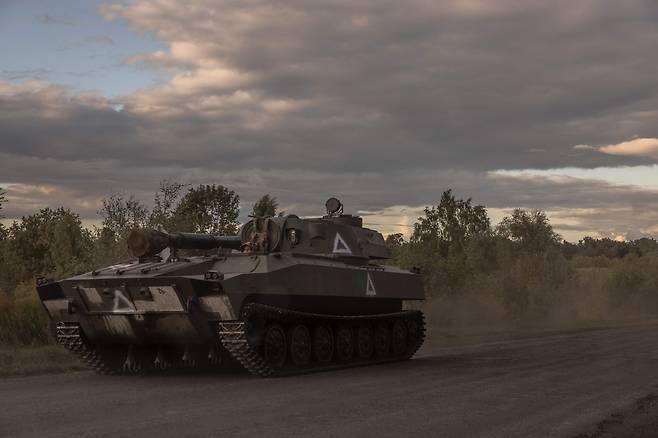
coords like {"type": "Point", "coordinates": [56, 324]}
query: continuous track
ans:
{"type": "Point", "coordinates": [243, 340]}
{"type": "Point", "coordinates": [70, 336]}
{"type": "Point", "coordinates": [247, 347]}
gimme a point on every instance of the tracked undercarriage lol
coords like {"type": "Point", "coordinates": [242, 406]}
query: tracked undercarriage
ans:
{"type": "Point", "coordinates": [288, 342]}
{"type": "Point", "coordinates": [287, 296]}
{"type": "Point", "coordinates": [270, 341]}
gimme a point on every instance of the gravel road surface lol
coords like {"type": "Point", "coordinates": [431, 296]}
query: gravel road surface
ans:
{"type": "Point", "coordinates": [589, 383]}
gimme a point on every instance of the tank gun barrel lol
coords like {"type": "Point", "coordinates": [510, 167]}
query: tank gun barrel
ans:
{"type": "Point", "coordinates": [149, 242]}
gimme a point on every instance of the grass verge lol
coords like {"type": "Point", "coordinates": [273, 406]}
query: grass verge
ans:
{"type": "Point", "coordinates": [47, 359]}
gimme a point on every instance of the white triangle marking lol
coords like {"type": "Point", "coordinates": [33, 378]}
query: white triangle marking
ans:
{"type": "Point", "coordinates": [340, 247]}
{"type": "Point", "coordinates": [121, 302]}
{"type": "Point", "coordinates": [370, 287]}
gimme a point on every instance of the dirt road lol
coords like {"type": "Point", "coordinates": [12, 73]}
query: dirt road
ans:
{"type": "Point", "coordinates": [594, 383]}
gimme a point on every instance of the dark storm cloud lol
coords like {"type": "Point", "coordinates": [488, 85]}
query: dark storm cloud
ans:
{"type": "Point", "coordinates": [384, 103]}
{"type": "Point", "coordinates": [467, 84]}
{"type": "Point", "coordinates": [463, 84]}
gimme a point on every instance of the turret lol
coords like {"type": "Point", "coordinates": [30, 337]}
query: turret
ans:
{"type": "Point", "coordinates": [334, 235]}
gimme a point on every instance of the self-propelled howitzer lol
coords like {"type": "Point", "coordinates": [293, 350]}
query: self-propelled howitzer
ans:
{"type": "Point", "coordinates": [287, 295]}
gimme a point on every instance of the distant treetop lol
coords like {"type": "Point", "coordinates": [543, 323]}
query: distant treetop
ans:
{"type": "Point", "coordinates": [266, 206]}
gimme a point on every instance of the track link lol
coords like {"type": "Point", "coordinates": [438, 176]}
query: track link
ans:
{"type": "Point", "coordinates": [235, 337]}
{"type": "Point", "coordinates": [107, 359]}
{"type": "Point", "coordinates": [69, 335]}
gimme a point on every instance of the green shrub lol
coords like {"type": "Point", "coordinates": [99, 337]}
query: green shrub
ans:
{"type": "Point", "coordinates": [633, 284]}
{"type": "Point", "coordinates": [23, 320]}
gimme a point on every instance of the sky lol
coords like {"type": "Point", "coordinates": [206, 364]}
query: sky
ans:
{"type": "Point", "coordinates": [550, 105]}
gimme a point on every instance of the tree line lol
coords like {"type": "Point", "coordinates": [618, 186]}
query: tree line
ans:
{"type": "Point", "coordinates": [522, 270]}
{"type": "Point", "coordinates": [54, 242]}
{"type": "Point", "coordinates": [518, 270]}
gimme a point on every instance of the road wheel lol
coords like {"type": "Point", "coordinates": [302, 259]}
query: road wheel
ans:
{"type": "Point", "coordinates": [300, 345]}
{"type": "Point", "coordinates": [323, 343]}
{"type": "Point", "coordinates": [109, 359]}
{"type": "Point", "coordinates": [382, 340]}
{"type": "Point", "coordinates": [365, 342]}
{"type": "Point", "coordinates": [344, 343]}
{"type": "Point", "coordinates": [145, 355]}
{"type": "Point", "coordinates": [195, 356]}
{"type": "Point", "coordinates": [274, 346]}
{"type": "Point", "coordinates": [161, 360]}
{"type": "Point", "coordinates": [399, 337]}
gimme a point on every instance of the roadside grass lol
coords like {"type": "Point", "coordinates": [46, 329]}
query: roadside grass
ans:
{"type": "Point", "coordinates": [23, 320]}
{"type": "Point", "coordinates": [44, 359]}
{"type": "Point", "coordinates": [26, 343]}
{"type": "Point", "coordinates": [535, 296]}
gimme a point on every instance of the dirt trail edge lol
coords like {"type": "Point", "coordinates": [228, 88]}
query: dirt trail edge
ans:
{"type": "Point", "coordinates": [587, 383]}
{"type": "Point", "coordinates": [638, 421]}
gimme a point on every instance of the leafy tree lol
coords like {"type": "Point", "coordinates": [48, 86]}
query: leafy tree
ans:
{"type": "Point", "coordinates": [444, 241]}
{"type": "Point", "coordinates": [121, 214]}
{"type": "Point", "coordinates": [395, 239]}
{"type": "Point", "coordinates": [163, 215]}
{"type": "Point", "coordinates": [450, 224]}
{"type": "Point", "coordinates": [604, 247]}
{"type": "Point", "coordinates": [530, 230]}
{"type": "Point", "coordinates": [607, 248]}
{"type": "Point", "coordinates": [108, 247]}
{"type": "Point", "coordinates": [208, 209]}
{"type": "Point", "coordinates": [50, 242]}
{"type": "Point", "coordinates": [3, 230]}
{"type": "Point", "coordinates": [645, 246]}
{"type": "Point", "coordinates": [265, 207]}
{"type": "Point", "coordinates": [3, 199]}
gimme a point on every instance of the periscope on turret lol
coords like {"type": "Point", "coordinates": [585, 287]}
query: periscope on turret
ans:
{"type": "Point", "coordinates": [287, 295]}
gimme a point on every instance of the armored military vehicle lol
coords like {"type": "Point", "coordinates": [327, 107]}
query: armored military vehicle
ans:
{"type": "Point", "coordinates": [288, 295]}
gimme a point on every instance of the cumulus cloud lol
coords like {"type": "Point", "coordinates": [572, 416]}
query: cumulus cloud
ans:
{"type": "Point", "coordinates": [452, 85]}
{"type": "Point", "coordinates": [637, 147]}
{"type": "Point", "coordinates": [641, 147]}
{"type": "Point", "coordinates": [383, 103]}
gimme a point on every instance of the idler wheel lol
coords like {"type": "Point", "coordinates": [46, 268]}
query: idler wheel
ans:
{"type": "Point", "coordinates": [399, 337]}
{"type": "Point", "coordinates": [323, 343]}
{"type": "Point", "coordinates": [344, 343]}
{"type": "Point", "coordinates": [300, 345]}
{"type": "Point", "coordinates": [382, 340]}
{"type": "Point", "coordinates": [414, 330]}
{"type": "Point", "coordinates": [365, 342]}
{"type": "Point", "coordinates": [274, 346]}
